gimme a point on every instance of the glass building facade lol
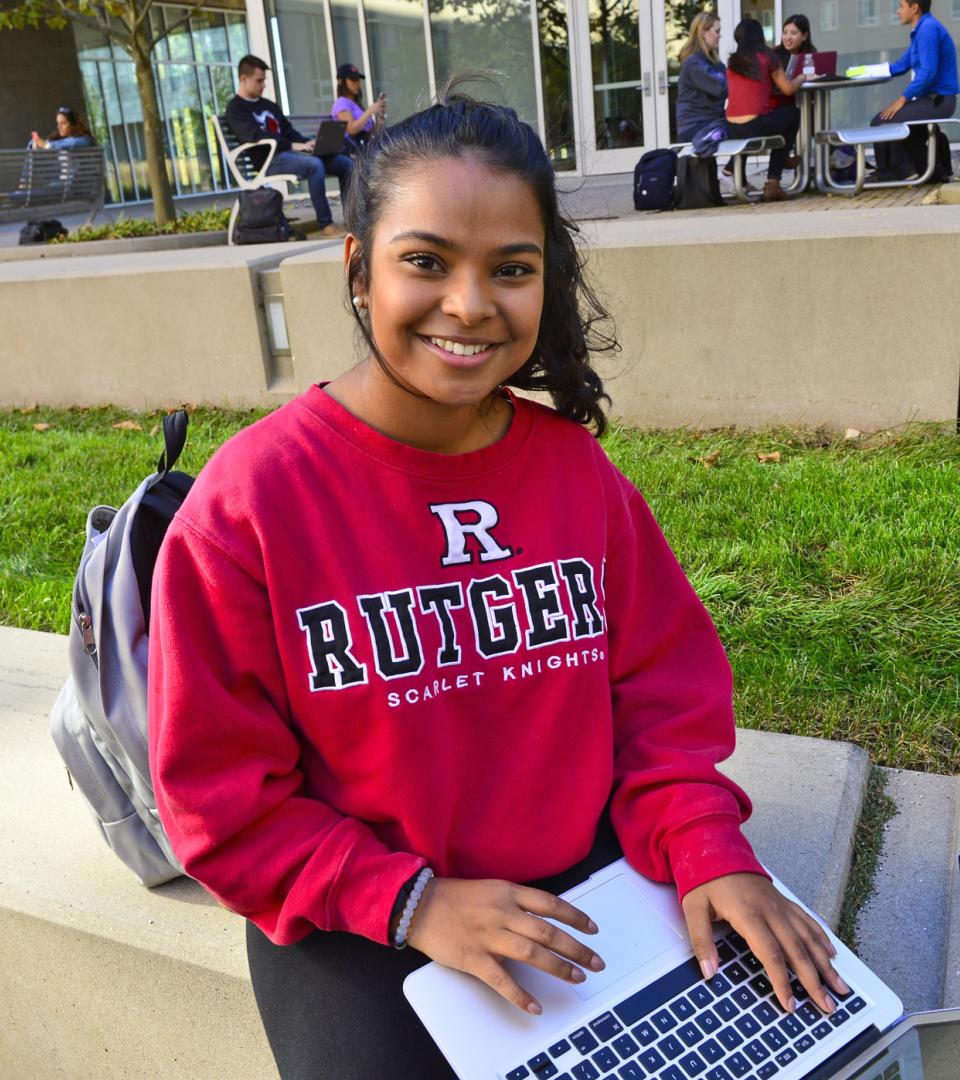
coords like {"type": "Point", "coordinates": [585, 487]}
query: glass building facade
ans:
{"type": "Point", "coordinates": [596, 78]}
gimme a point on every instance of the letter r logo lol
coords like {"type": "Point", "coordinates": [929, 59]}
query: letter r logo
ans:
{"type": "Point", "coordinates": [464, 519]}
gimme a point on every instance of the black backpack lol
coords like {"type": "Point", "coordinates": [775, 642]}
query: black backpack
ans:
{"type": "Point", "coordinates": [698, 185]}
{"type": "Point", "coordinates": [653, 180]}
{"type": "Point", "coordinates": [260, 219]}
{"type": "Point", "coordinates": [39, 232]}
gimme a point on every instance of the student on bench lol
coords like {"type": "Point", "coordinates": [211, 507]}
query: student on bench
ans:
{"type": "Point", "coordinates": [931, 94]}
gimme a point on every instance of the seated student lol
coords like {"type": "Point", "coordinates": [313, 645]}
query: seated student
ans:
{"type": "Point", "coordinates": [416, 644]}
{"type": "Point", "coordinates": [931, 94]}
{"type": "Point", "coordinates": [71, 133]}
{"type": "Point", "coordinates": [752, 72]}
{"type": "Point", "coordinates": [795, 40]}
{"type": "Point", "coordinates": [251, 117]}
{"type": "Point", "coordinates": [361, 122]}
{"type": "Point", "coordinates": [702, 87]}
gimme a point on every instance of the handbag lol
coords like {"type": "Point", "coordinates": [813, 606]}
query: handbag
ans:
{"type": "Point", "coordinates": [698, 186]}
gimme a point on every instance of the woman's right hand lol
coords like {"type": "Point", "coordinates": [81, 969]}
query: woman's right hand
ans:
{"type": "Point", "coordinates": [379, 106]}
{"type": "Point", "coordinates": [474, 925]}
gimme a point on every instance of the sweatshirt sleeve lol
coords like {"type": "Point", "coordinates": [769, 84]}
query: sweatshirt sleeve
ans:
{"type": "Point", "coordinates": [898, 67]}
{"type": "Point", "coordinates": [225, 760]}
{"type": "Point", "coordinates": [926, 59]}
{"type": "Point", "coordinates": [706, 78]}
{"type": "Point", "coordinates": [677, 817]}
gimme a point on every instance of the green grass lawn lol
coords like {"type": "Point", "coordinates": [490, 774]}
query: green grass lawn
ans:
{"type": "Point", "coordinates": [833, 574]}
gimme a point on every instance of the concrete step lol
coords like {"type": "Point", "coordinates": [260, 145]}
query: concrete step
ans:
{"type": "Point", "coordinates": [909, 929]}
{"type": "Point", "coordinates": [104, 979]}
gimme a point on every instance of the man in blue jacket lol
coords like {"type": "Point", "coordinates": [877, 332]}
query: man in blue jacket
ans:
{"type": "Point", "coordinates": [931, 95]}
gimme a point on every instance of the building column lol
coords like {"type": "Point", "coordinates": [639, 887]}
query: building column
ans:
{"type": "Point", "coordinates": [258, 39]}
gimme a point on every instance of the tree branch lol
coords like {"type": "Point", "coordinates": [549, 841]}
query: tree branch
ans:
{"type": "Point", "coordinates": [91, 22]}
{"type": "Point", "coordinates": [191, 8]}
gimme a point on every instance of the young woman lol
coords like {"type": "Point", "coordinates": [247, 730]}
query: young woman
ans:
{"type": "Point", "coordinates": [795, 40]}
{"type": "Point", "coordinates": [71, 133]}
{"type": "Point", "coordinates": [753, 70]}
{"type": "Point", "coordinates": [702, 86]}
{"type": "Point", "coordinates": [361, 122]}
{"type": "Point", "coordinates": [416, 644]}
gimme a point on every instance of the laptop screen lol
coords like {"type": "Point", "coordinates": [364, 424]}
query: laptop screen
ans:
{"type": "Point", "coordinates": [929, 1051]}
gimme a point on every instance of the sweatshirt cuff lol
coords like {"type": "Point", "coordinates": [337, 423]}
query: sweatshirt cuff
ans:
{"type": "Point", "coordinates": [709, 848]}
{"type": "Point", "coordinates": [362, 900]}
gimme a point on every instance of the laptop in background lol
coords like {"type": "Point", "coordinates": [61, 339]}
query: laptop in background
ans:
{"type": "Point", "coordinates": [330, 137]}
{"type": "Point", "coordinates": [649, 1015]}
{"type": "Point", "coordinates": [825, 63]}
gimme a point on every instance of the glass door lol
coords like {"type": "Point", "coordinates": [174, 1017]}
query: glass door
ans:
{"type": "Point", "coordinates": [616, 76]}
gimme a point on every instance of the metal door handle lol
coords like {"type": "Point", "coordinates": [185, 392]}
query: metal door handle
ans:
{"type": "Point", "coordinates": [661, 82]}
{"type": "Point", "coordinates": [647, 86]}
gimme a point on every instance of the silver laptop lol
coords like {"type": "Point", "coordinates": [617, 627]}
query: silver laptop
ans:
{"type": "Point", "coordinates": [649, 1015]}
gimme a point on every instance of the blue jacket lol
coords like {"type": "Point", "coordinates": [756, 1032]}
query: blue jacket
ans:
{"type": "Point", "coordinates": [701, 93]}
{"type": "Point", "coordinates": [932, 57]}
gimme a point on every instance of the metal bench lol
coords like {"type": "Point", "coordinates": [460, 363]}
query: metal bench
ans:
{"type": "Point", "coordinates": [738, 150]}
{"type": "Point", "coordinates": [44, 183]}
{"type": "Point", "coordinates": [861, 138]}
{"type": "Point", "coordinates": [245, 174]}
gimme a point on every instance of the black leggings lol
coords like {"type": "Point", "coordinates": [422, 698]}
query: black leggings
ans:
{"type": "Point", "coordinates": [783, 120]}
{"type": "Point", "coordinates": [333, 1007]}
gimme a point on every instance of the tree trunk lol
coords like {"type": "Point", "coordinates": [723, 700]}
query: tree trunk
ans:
{"type": "Point", "coordinates": [160, 191]}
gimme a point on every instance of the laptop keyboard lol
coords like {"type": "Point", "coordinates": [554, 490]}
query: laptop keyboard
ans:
{"type": "Point", "coordinates": [683, 1028]}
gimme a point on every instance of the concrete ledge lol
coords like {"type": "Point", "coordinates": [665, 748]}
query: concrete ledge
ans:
{"type": "Point", "coordinates": [724, 320]}
{"type": "Point", "coordinates": [102, 978]}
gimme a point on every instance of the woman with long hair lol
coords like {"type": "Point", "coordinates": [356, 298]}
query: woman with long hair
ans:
{"type": "Point", "coordinates": [361, 122]}
{"type": "Point", "coordinates": [702, 87]}
{"type": "Point", "coordinates": [753, 71]}
{"type": "Point", "coordinates": [71, 133]}
{"type": "Point", "coordinates": [795, 40]}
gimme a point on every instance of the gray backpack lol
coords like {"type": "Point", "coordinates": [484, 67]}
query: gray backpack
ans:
{"type": "Point", "coordinates": [99, 721]}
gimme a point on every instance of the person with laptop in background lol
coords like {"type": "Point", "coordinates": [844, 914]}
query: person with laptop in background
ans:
{"type": "Point", "coordinates": [930, 95]}
{"type": "Point", "coordinates": [361, 122]}
{"type": "Point", "coordinates": [252, 117]}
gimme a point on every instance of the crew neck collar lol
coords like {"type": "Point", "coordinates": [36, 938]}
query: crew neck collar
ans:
{"type": "Point", "coordinates": [410, 459]}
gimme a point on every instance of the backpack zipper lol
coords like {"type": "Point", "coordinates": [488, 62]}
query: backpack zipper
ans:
{"type": "Point", "coordinates": [86, 632]}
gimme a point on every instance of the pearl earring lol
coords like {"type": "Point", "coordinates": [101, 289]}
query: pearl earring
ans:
{"type": "Point", "coordinates": [359, 302]}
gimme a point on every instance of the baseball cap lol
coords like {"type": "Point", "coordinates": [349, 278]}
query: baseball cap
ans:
{"type": "Point", "coordinates": [349, 71]}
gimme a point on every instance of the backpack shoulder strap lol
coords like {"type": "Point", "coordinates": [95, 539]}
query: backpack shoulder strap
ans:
{"type": "Point", "coordinates": [174, 440]}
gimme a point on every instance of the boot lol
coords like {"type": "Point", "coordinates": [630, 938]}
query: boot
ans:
{"type": "Point", "coordinates": [773, 192]}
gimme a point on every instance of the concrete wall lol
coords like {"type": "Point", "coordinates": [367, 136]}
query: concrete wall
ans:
{"type": "Point", "coordinates": [40, 74]}
{"type": "Point", "coordinates": [840, 318]}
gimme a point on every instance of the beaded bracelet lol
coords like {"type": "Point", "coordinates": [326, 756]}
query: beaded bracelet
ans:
{"type": "Point", "coordinates": [400, 937]}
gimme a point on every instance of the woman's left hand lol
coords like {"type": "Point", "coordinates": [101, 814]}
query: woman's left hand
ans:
{"type": "Point", "coordinates": [779, 932]}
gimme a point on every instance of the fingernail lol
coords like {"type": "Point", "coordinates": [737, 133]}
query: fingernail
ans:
{"type": "Point", "coordinates": [709, 968]}
{"type": "Point", "coordinates": [596, 964]}
{"type": "Point", "coordinates": [592, 927]}
{"type": "Point", "coordinates": [577, 975]}
{"type": "Point", "coordinates": [831, 1004]}
{"type": "Point", "coordinates": [842, 986]}
{"type": "Point", "coordinates": [792, 1005]}
{"type": "Point", "coordinates": [535, 1008]}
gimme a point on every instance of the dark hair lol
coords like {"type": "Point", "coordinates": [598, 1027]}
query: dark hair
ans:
{"type": "Point", "coordinates": [751, 45]}
{"type": "Point", "coordinates": [248, 64]}
{"type": "Point", "coordinates": [77, 127]}
{"type": "Point", "coordinates": [802, 23]}
{"type": "Point", "coordinates": [460, 127]}
{"type": "Point", "coordinates": [342, 91]}
{"type": "Point", "coordinates": [923, 5]}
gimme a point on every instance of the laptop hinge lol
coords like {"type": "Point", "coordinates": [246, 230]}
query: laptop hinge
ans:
{"type": "Point", "coordinates": [845, 1054]}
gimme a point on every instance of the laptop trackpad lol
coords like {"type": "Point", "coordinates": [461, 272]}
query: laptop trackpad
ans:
{"type": "Point", "coordinates": [632, 932]}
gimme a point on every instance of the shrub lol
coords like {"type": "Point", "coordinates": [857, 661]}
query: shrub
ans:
{"type": "Point", "coordinates": [209, 220]}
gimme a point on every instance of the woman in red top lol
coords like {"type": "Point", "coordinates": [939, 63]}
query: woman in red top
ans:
{"type": "Point", "coordinates": [753, 71]}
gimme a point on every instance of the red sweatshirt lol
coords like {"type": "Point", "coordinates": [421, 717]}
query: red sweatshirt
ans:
{"type": "Point", "coordinates": [366, 657]}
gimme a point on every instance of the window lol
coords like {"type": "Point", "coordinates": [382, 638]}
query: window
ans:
{"type": "Point", "coordinates": [867, 13]}
{"type": "Point", "coordinates": [894, 9]}
{"type": "Point", "coordinates": [829, 16]}
{"type": "Point", "coordinates": [955, 9]}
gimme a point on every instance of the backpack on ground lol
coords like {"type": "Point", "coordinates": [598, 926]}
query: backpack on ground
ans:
{"type": "Point", "coordinates": [653, 180]}
{"type": "Point", "coordinates": [39, 232]}
{"type": "Point", "coordinates": [698, 185]}
{"type": "Point", "coordinates": [260, 219]}
{"type": "Point", "coordinates": [99, 721]}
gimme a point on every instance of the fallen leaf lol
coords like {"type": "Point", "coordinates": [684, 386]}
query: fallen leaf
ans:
{"type": "Point", "coordinates": [710, 460]}
{"type": "Point", "coordinates": [774, 457]}
{"type": "Point", "coordinates": [851, 433]}
{"type": "Point", "coordinates": [29, 409]}
{"type": "Point", "coordinates": [128, 425]}
{"type": "Point", "coordinates": [41, 427]}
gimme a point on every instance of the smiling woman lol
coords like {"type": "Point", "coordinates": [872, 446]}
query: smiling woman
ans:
{"type": "Point", "coordinates": [393, 614]}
